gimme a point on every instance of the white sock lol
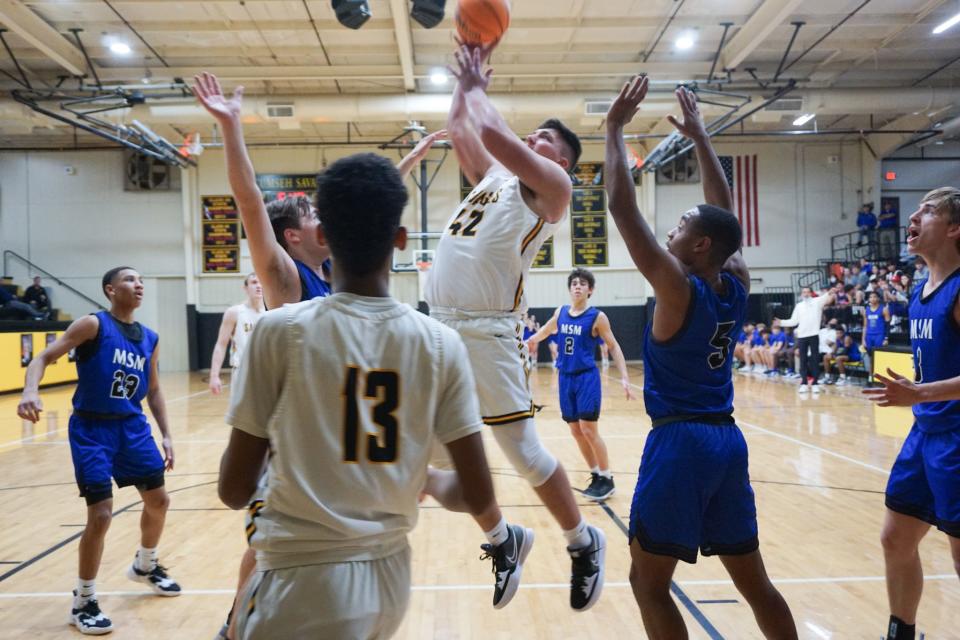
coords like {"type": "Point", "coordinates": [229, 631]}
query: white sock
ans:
{"type": "Point", "coordinates": [146, 559]}
{"type": "Point", "coordinates": [86, 589]}
{"type": "Point", "coordinates": [606, 473]}
{"type": "Point", "coordinates": [595, 469]}
{"type": "Point", "coordinates": [578, 536]}
{"type": "Point", "coordinates": [499, 534]}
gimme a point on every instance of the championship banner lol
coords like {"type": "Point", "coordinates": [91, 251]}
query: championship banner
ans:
{"type": "Point", "coordinates": [221, 231]}
{"type": "Point", "coordinates": [588, 216]}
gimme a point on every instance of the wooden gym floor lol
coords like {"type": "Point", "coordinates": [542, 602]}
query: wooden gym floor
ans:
{"type": "Point", "coordinates": [819, 466]}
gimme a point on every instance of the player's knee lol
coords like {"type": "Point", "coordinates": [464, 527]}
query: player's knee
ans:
{"type": "Point", "coordinates": [99, 517]}
{"type": "Point", "coordinates": [157, 500]}
{"type": "Point", "coordinates": [894, 541]}
{"type": "Point", "coordinates": [540, 465]}
{"type": "Point", "coordinates": [575, 429]}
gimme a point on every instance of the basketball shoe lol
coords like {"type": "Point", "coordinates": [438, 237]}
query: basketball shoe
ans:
{"type": "Point", "coordinates": [508, 559]}
{"type": "Point", "coordinates": [88, 619]}
{"type": "Point", "coordinates": [157, 578]}
{"type": "Point", "coordinates": [586, 574]}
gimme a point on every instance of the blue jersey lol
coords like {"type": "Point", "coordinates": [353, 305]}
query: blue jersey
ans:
{"type": "Point", "coordinates": [578, 345]}
{"type": "Point", "coordinates": [789, 340]}
{"type": "Point", "coordinates": [690, 374]}
{"type": "Point", "coordinates": [778, 338]}
{"type": "Point", "coordinates": [113, 371]}
{"type": "Point", "coordinates": [876, 325]}
{"type": "Point", "coordinates": [311, 285]}
{"type": "Point", "coordinates": [935, 340]}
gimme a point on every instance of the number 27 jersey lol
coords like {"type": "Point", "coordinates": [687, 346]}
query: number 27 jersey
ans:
{"type": "Point", "coordinates": [691, 373]}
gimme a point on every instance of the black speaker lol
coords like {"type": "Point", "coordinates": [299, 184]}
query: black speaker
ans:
{"type": "Point", "coordinates": [429, 13]}
{"type": "Point", "coordinates": [352, 13]}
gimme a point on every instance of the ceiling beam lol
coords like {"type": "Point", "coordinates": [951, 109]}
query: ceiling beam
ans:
{"type": "Point", "coordinates": [401, 30]}
{"type": "Point", "coordinates": [31, 27]}
{"type": "Point", "coordinates": [754, 31]}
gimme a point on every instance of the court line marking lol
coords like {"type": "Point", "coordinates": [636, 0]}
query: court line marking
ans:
{"type": "Point", "coordinates": [27, 440]}
{"type": "Point", "coordinates": [945, 577]}
{"type": "Point", "coordinates": [802, 443]}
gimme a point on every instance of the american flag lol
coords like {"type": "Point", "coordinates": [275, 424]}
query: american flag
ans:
{"type": "Point", "coordinates": [741, 174]}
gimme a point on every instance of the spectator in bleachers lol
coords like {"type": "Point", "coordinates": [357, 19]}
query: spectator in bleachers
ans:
{"type": "Point", "coordinates": [859, 277]}
{"type": "Point", "coordinates": [17, 310]}
{"type": "Point", "coordinates": [36, 296]}
{"type": "Point", "coordinates": [741, 352]}
{"type": "Point", "coordinates": [888, 231]}
{"type": "Point", "coordinates": [920, 271]}
{"type": "Point", "coordinates": [847, 352]}
{"type": "Point", "coordinates": [788, 353]}
{"type": "Point", "coordinates": [866, 223]}
{"type": "Point", "coordinates": [774, 346]}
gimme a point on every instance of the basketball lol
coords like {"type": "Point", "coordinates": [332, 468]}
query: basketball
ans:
{"type": "Point", "coordinates": [482, 21]}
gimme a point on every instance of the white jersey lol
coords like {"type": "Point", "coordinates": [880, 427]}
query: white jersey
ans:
{"type": "Point", "coordinates": [247, 318]}
{"type": "Point", "coordinates": [487, 248]}
{"type": "Point", "coordinates": [351, 393]}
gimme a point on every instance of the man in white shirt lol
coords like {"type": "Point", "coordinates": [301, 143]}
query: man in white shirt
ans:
{"type": "Point", "coordinates": [521, 195]}
{"type": "Point", "coordinates": [235, 329]}
{"type": "Point", "coordinates": [806, 317]}
{"type": "Point", "coordinates": [348, 394]}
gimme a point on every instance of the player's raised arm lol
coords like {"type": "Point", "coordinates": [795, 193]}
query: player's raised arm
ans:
{"type": "Point", "coordinates": [277, 271]}
{"type": "Point", "coordinates": [419, 151]}
{"type": "Point", "coordinates": [475, 161]}
{"type": "Point", "coordinates": [665, 273]}
{"type": "Point", "coordinates": [80, 330]}
{"type": "Point", "coordinates": [545, 178]}
{"type": "Point", "coordinates": [715, 188]}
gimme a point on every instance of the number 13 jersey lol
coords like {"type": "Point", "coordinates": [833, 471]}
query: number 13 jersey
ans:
{"type": "Point", "coordinates": [487, 248]}
{"type": "Point", "coordinates": [351, 392]}
{"type": "Point", "coordinates": [691, 373]}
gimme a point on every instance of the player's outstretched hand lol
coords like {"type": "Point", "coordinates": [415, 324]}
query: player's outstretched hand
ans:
{"type": "Point", "coordinates": [469, 68]}
{"type": "Point", "coordinates": [30, 407]}
{"type": "Point", "coordinates": [167, 454]}
{"type": "Point", "coordinates": [486, 50]}
{"type": "Point", "coordinates": [692, 125]}
{"type": "Point", "coordinates": [628, 102]}
{"type": "Point", "coordinates": [207, 89]}
{"type": "Point", "coordinates": [897, 391]}
{"type": "Point", "coordinates": [627, 388]}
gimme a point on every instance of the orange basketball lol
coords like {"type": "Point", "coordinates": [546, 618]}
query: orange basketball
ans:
{"type": "Point", "coordinates": [482, 21]}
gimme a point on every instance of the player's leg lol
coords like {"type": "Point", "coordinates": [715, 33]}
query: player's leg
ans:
{"type": "Point", "coordinates": [769, 608]}
{"type": "Point", "coordinates": [570, 415]}
{"type": "Point", "coordinates": [911, 509]}
{"type": "Point", "coordinates": [842, 369]}
{"type": "Point", "coordinates": [589, 399]}
{"type": "Point", "coordinates": [650, 577]}
{"type": "Point", "coordinates": [92, 448]}
{"type": "Point", "coordinates": [955, 552]}
{"type": "Point", "coordinates": [248, 563]}
{"type": "Point", "coordinates": [140, 464]}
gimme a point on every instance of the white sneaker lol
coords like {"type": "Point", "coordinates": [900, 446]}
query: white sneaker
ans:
{"type": "Point", "coordinates": [841, 381]}
{"type": "Point", "coordinates": [802, 389]}
{"type": "Point", "coordinates": [816, 389]}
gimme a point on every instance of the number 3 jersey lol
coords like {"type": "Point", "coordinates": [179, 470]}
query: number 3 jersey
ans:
{"type": "Point", "coordinates": [487, 248]}
{"type": "Point", "coordinates": [113, 369]}
{"type": "Point", "coordinates": [352, 392]}
{"type": "Point", "coordinates": [690, 374]}
{"type": "Point", "coordinates": [935, 341]}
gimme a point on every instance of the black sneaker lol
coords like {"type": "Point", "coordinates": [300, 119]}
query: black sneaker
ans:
{"type": "Point", "coordinates": [586, 574]}
{"type": "Point", "coordinates": [601, 490]}
{"type": "Point", "coordinates": [508, 561]}
{"type": "Point", "coordinates": [157, 578]}
{"type": "Point", "coordinates": [594, 478]}
{"type": "Point", "coordinates": [89, 620]}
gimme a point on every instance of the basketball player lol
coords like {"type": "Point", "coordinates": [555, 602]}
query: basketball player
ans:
{"type": "Point", "coordinates": [521, 193]}
{"type": "Point", "coordinates": [235, 328]}
{"type": "Point", "coordinates": [924, 484]}
{"type": "Point", "coordinates": [693, 491]}
{"type": "Point", "coordinates": [579, 328]}
{"type": "Point", "coordinates": [282, 235]}
{"type": "Point", "coordinates": [330, 526]}
{"type": "Point", "coordinates": [110, 436]}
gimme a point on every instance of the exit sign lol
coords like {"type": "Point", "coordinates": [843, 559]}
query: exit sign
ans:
{"type": "Point", "coordinates": [890, 175]}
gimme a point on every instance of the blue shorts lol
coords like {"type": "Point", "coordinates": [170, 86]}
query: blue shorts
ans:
{"type": "Point", "coordinates": [694, 493]}
{"type": "Point", "coordinates": [925, 479]}
{"type": "Point", "coordinates": [580, 395]}
{"type": "Point", "coordinates": [120, 449]}
{"type": "Point", "coordinates": [871, 341]}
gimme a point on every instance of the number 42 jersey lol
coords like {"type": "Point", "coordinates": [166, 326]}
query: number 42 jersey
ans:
{"type": "Point", "coordinates": [691, 373]}
{"type": "Point", "coordinates": [351, 392]}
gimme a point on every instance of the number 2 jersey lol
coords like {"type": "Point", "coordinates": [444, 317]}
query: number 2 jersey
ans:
{"type": "Point", "coordinates": [689, 375]}
{"type": "Point", "coordinates": [935, 341]}
{"type": "Point", "coordinates": [113, 369]}
{"type": "Point", "coordinates": [351, 392]}
{"type": "Point", "coordinates": [486, 249]}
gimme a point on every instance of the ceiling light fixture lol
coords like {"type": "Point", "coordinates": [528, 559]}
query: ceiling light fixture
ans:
{"type": "Point", "coordinates": [438, 77]}
{"type": "Point", "coordinates": [804, 119]}
{"type": "Point", "coordinates": [685, 40]}
{"type": "Point", "coordinates": [351, 13]}
{"type": "Point", "coordinates": [120, 48]}
{"type": "Point", "coordinates": [943, 26]}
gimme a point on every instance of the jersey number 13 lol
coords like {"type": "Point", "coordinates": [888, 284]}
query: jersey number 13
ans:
{"type": "Point", "coordinates": [381, 386]}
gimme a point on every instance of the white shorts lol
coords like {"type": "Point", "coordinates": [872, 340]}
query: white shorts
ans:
{"type": "Point", "coordinates": [343, 600]}
{"type": "Point", "coordinates": [501, 366]}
